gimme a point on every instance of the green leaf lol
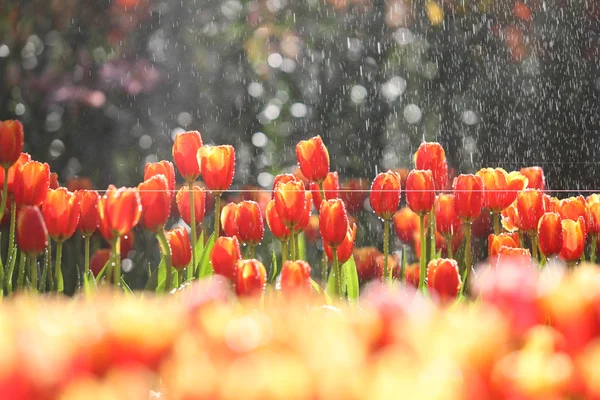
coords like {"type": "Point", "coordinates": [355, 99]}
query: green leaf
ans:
{"type": "Point", "coordinates": [125, 286]}
{"type": "Point", "coordinates": [198, 250]}
{"type": "Point", "coordinates": [274, 270]}
{"type": "Point", "coordinates": [315, 285]}
{"type": "Point", "coordinates": [330, 289]}
{"type": "Point", "coordinates": [318, 289]}
{"type": "Point", "coordinates": [350, 278]}
{"type": "Point", "coordinates": [204, 268]}
{"type": "Point", "coordinates": [301, 247]}
{"type": "Point", "coordinates": [89, 284]}
{"type": "Point", "coordinates": [103, 270]}
{"type": "Point", "coordinates": [161, 276]}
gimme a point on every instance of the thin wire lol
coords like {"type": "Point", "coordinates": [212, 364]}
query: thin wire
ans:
{"type": "Point", "coordinates": [379, 191]}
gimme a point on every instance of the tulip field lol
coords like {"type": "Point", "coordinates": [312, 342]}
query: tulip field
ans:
{"type": "Point", "coordinates": [485, 286]}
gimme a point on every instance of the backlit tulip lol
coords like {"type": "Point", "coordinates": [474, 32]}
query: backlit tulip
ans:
{"type": "Point", "coordinates": [122, 209]}
{"type": "Point", "coordinates": [431, 156]}
{"type": "Point", "coordinates": [333, 222]}
{"type": "Point", "coordinates": [225, 255]}
{"type": "Point", "coordinates": [183, 204]}
{"type": "Point", "coordinates": [331, 188]}
{"type": "Point", "coordinates": [594, 218]}
{"type": "Point", "coordinates": [290, 202]}
{"type": "Point", "coordinates": [276, 225]}
{"type": "Point", "coordinates": [550, 234]}
{"type": "Point", "coordinates": [535, 177]}
{"type": "Point", "coordinates": [385, 194]}
{"type": "Point", "coordinates": [411, 275]}
{"type": "Point", "coordinates": [99, 260]}
{"type": "Point", "coordinates": [514, 256]}
{"type": "Point", "coordinates": [443, 279]}
{"type": "Point", "coordinates": [420, 194]}
{"type": "Point", "coordinates": [32, 236]}
{"type": "Point", "coordinates": [217, 164]}
{"type": "Point", "coordinates": [282, 178]}
{"type": "Point", "coordinates": [79, 183]}
{"type": "Point", "coordinates": [468, 196]}
{"type": "Point", "coordinates": [162, 168]}
{"type": "Point", "coordinates": [366, 264]}
{"type": "Point", "coordinates": [61, 213]}
{"type": "Point", "coordinates": [156, 202]}
{"type": "Point", "coordinates": [88, 211]}
{"type": "Point", "coordinates": [496, 242]}
{"type": "Point", "coordinates": [345, 249]}
{"type": "Point", "coordinates": [229, 219]}
{"type": "Point", "coordinates": [573, 208]}
{"type": "Point", "coordinates": [185, 150]}
{"type": "Point", "coordinates": [181, 248]}
{"type": "Point", "coordinates": [530, 208]}
{"type": "Point", "coordinates": [574, 235]}
{"type": "Point", "coordinates": [303, 223]}
{"type": "Point", "coordinates": [251, 228]}
{"type": "Point", "coordinates": [515, 183]}
{"type": "Point", "coordinates": [32, 181]}
{"type": "Point", "coordinates": [446, 220]}
{"type": "Point", "coordinates": [295, 277]}
{"type": "Point", "coordinates": [353, 193]}
{"type": "Point", "coordinates": [313, 159]}
{"type": "Point", "coordinates": [592, 199]}
{"type": "Point", "coordinates": [249, 278]}
{"type": "Point", "coordinates": [495, 184]}
{"type": "Point", "coordinates": [510, 218]}
{"type": "Point", "coordinates": [406, 224]}
{"type": "Point", "coordinates": [24, 158]}
{"type": "Point", "coordinates": [11, 142]}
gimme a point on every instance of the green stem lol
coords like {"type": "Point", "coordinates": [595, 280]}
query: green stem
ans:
{"type": "Point", "coordinates": [534, 247]}
{"type": "Point", "coordinates": [496, 220]}
{"type": "Point", "coordinates": [251, 249]}
{"type": "Point", "coordinates": [33, 273]}
{"type": "Point", "coordinates": [324, 269]}
{"type": "Point", "coordinates": [13, 222]}
{"type": "Point", "coordinates": [217, 214]}
{"type": "Point", "coordinates": [423, 260]}
{"type": "Point", "coordinates": [86, 250]}
{"type": "Point", "coordinates": [403, 266]}
{"type": "Point", "coordinates": [49, 267]}
{"type": "Point", "coordinates": [432, 229]}
{"type": "Point", "coordinates": [21, 274]}
{"type": "Point", "coordinates": [192, 268]}
{"type": "Point", "coordinates": [9, 274]}
{"type": "Point", "coordinates": [46, 266]}
{"type": "Point", "coordinates": [468, 261]}
{"type": "Point", "coordinates": [292, 244]}
{"type": "Point", "coordinates": [593, 249]}
{"type": "Point", "coordinates": [449, 248]}
{"type": "Point", "coordinates": [181, 279]}
{"type": "Point", "coordinates": [58, 276]}
{"type": "Point", "coordinates": [386, 250]}
{"type": "Point", "coordinates": [284, 251]}
{"type": "Point", "coordinates": [117, 267]}
{"type": "Point", "coordinates": [322, 191]}
{"type": "Point", "coordinates": [165, 247]}
{"type": "Point", "coordinates": [337, 271]}
{"type": "Point", "coordinates": [4, 194]}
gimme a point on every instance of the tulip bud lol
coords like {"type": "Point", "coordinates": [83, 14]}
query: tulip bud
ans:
{"type": "Point", "coordinates": [183, 204]}
{"type": "Point", "coordinates": [282, 178]}
{"type": "Point", "coordinates": [574, 235]}
{"type": "Point", "coordinates": [229, 219]}
{"type": "Point", "coordinates": [313, 159]}
{"type": "Point", "coordinates": [573, 208]}
{"type": "Point", "coordinates": [32, 236]}
{"type": "Point", "coordinates": [32, 181]}
{"type": "Point", "coordinates": [11, 142]}
{"type": "Point", "coordinates": [353, 193]}
{"type": "Point", "coordinates": [446, 220]}
{"type": "Point", "coordinates": [333, 222]}
{"type": "Point", "coordinates": [530, 208]}
{"type": "Point", "coordinates": [495, 184]}
{"type": "Point", "coordinates": [535, 178]}
{"type": "Point", "coordinates": [331, 187]}
{"type": "Point", "coordinates": [185, 150]}
{"type": "Point", "coordinates": [61, 213]}
{"type": "Point", "coordinates": [496, 242]}
{"type": "Point", "coordinates": [385, 194]}
{"type": "Point", "coordinates": [276, 225]}
{"type": "Point", "coordinates": [88, 211]}
{"type": "Point", "coordinates": [550, 234]}
{"type": "Point", "coordinates": [290, 202]}
{"type": "Point", "coordinates": [249, 278]}
{"type": "Point", "coordinates": [431, 156]}
{"type": "Point", "coordinates": [156, 202]}
{"type": "Point", "coordinates": [406, 224]}
{"type": "Point", "coordinates": [515, 183]}
{"type": "Point", "coordinates": [345, 249]}
{"type": "Point", "coordinates": [443, 279]}
{"type": "Point", "coordinates": [217, 164]}
{"type": "Point", "coordinates": [121, 210]}
{"type": "Point", "coordinates": [225, 255]}
{"type": "Point", "coordinates": [295, 277]}
{"type": "Point", "coordinates": [164, 168]}
{"type": "Point", "coordinates": [251, 228]}
{"type": "Point", "coordinates": [181, 248]}
{"type": "Point", "coordinates": [53, 182]}
{"type": "Point", "coordinates": [468, 196]}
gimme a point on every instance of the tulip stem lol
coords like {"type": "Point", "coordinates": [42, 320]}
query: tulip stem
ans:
{"type": "Point", "coordinates": [165, 248]}
{"type": "Point", "coordinates": [33, 273]}
{"type": "Point", "coordinates": [292, 244]}
{"type": "Point", "coordinates": [46, 266]}
{"type": "Point", "coordinates": [192, 268]}
{"type": "Point", "coordinates": [217, 214]}
{"type": "Point", "coordinates": [386, 250]}
{"type": "Point", "coordinates": [86, 250]}
{"type": "Point", "coordinates": [496, 220]}
{"type": "Point", "coordinates": [21, 274]}
{"type": "Point", "coordinates": [4, 194]}
{"type": "Point", "coordinates": [468, 260]}
{"type": "Point", "coordinates": [117, 262]}
{"type": "Point", "coordinates": [449, 248]}
{"type": "Point", "coordinates": [320, 188]}
{"type": "Point", "coordinates": [58, 276]}
{"type": "Point", "coordinates": [432, 229]}
{"type": "Point", "coordinates": [593, 249]}
{"type": "Point", "coordinates": [337, 271]}
{"type": "Point", "coordinates": [534, 247]}
{"type": "Point", "coordinates": [13, 223]}
{"type": "Point", "coordinates": [324, 268]}
{"type": "Point", "coordinates": [284, 251]}
{"type": "Point", "coordinates": [251, 251]}
{"type": "Point", "coordinates": [423, 257]}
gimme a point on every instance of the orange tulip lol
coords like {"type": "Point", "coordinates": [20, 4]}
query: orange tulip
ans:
{"type": "Point", "coordinates": [295, 277]}
{"type": "Point", "coordinates": [251, 228]}
{"type": "Point", "coordinates": [515, 256]}
{"type": "Point", "coordinates": [24, 158]}
{"type": "Point", "coordinates": [282, 178]}
{"type": "Point", "coordinates": [592, 199]}
{"type": "Point", "coordinates": [290, 202]}
{"type": "Point", "coordinates": [303, 223]}
{"type": "Point", "coordinates": [366, 264]}
{"type": "Point", "coordinates": [345, 249]}
{"type": "Point", "coordinates": [88, 211]}
{"type": "Point", "coordinates": [333, 222]}
{"type": "Point", "coordinates": [79, 183]}
{"type": "Point", "coordinates": [551, 204]}
{"type": "Point", "coordinates": [311, 232]}
{"type": "Point", "coordinates": [353, 193]}
{"type": "Point", "coordinates": [32, 181]}
{"type": "Point", "coordinates": [574, 235]}
{"type": "Point", "coordinates": [420, 194]}
{"type": "Point", "coordinates": [162, 168]}
{"type": "Point", "coordinates": [495, 185]}
{"type": "Point", "coordinates": [249, 278]}
{"type": "Point", "coordinates": [535, 178]}
{"type": "Point", "coordinates": [217, 164]}
{"type": "Point", "coordinates": [594, 218]}
{"type": "Point", "coordinates": [331, 187]}
{"type": "Point", "coordinates": [276, 225]}
{"type": "Point", "coordinates": [385, 194]}
{"type": "Point", "coordinates": [495, 242]}
{"type": "Point", "coordinates": [229, 219]}
{"type": "Point", "coordinates": [185, 150]}
{"type": "Point", "coordinates": [181, 248]}
{"type": "Point", "coordinates": [53, 182]}
{"type": "Point", "coordinates": [411, 275]}
{"type": "Point", "coordinates": [183, 204]}
{"type": "Point", "coordinates": [468, 196]}
{"type": "Point", "coordinates": [515, 183]}
{"type": "Point", "coordinates": [431, 156]}
{"type": "Point", "coordinates": [530, 207]}
{"type": "Point", "coordinates": [510, 218]}
{"type": "Point", "coordinates": [573, 208]}
{"type": "Point", "coordinates": [61, 213]}
{"type": "Point", "coordinates": [447, 222]}
{"type": "Point", "coordinates": [550, 234]}
{"type": "Point", "coordinates": [121, 209]}
{"type": "Point", "coordinates": [225, 255]}
{"type": "Point", "coordinates": [32, 236]}
{"type": "Point", "coordinates": [393, 266]}
{"type": "Point", "coordinates": [443, 279]}
{"type": "Point", "coordinates": [406, 224]}
{"type": "Point", "coordinates": [156, 202]}
{"type": "Point", "coordinates": [11, 142]}
{"type": "Point", "coordinates": [313, 159]}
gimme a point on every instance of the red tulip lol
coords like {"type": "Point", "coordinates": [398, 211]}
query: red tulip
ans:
{"type": "Point", "coordinates": [53, 182]}
{"type": "Point", "coordinates": [513, 256]}
{"type": "Point", "coordinates": [79, 183]}
{"type": "Point", "coordinates": [127, 244]}
{"type": "Point", "coordinates": [446, 220]}
{"type": "Point", "coordinates": [594, 218]}
{"type": "Point", "coordinates": [32, 236]}
{"type": "Point", "coordinates": [282, 178]}
{"type": "Point", "coordinates": [88, 211]}
{"type": "Point", "coordinates": [535, 178]}
{"type": "Point", "coordinates": [406, 224]}
{"type": "Point", "coordinates": [217, 164]}
{"type": "Point", "coordinates": [495, 184]}
{"type": "Point", "coordinates": [99, 260]}
{"type": "Point", "coordinates": [249, 278]}
{"type": "Point", "coordinates": [443, 279]}
{"type": "Point", "coordinates": [550, 234]}
{"type": "Point", "coordinates": [574, 235]}
{"type": "Point", "coordinates": [11, 142]}
{"type": "Point", "coordinates": [32, 181]}
{"type": "Point", "coordinates": [229, 219]}
{"type": "Point", "coordinates": [162, 168]}
{"type": "Point", "coordinates": [61, 213]}
{"type": "Point", "coordinates": [366, 264]}
{"type": "Point", "coordinates": [353, 193]}
{"type": "Point", "coordinates": [156, 202]}
{"type": "Point", "coordinates": [121, 209]}
{"type": "Point", "coordinates": [345, 249]}
{"type": "Point", "coordinates": [510, 218]}
{"type": "Point", "coordinates": [23, 159]}
{"type": "Point", "coordinates": [468, 196]}
{"type": "Point", "coordinates": [303, 223]}
{"type": "Point", "coordinates": [530, 208]}
{"type": "Point", "coordinates": [311, 231]}
{"type": "Point", "coordinates": [183, 204]}
{"type": "Point", "coordinates": [515, 182]}
{"type": "Point", "coordinates": [420, 194]}
{"type": "Point", "coordinates": [385, 194]}
{"type": "Point", "coordinates": [290, 202]}
{"type": "Point", "coordinates": [225, 255]}
{"type": "Point", "coordinates": [295, 277]}
{"type": "Point", "coordinates": [313, 159]}
{"type": "Point", "coordinates": [181, 248]}
{"type": "Point", "coordinates": [573, 208]}
{"type": "Point", "coordinates": [185, 150]}
{"type": "Point", "coordinates": [496, 242]}
{"type": "Point", "coordinates": [251, 228]}
{"type": "Point", "coordinates": [333, 222]}
{"type": "Point", "coordinates": [276, 225]}
{"type": "Point", "coordinates": [331, 187]}
{"type": "Point", "coordinates": [431, 156]}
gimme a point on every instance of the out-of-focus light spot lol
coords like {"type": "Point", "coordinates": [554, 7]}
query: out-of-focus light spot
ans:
{"type": "Point", "coordinates": [298, 110]}
{"type": "Point", "coordinates": [435, 13]}
{"type": "Point", "coordinates": [184, 118]}
{"type": "Point", "coordinates": [283, 96]}
{"type": "Point", "coordinates": [275, 5]}
{"type": "Point", "coordinates": [20, 109]}
{"type": "Point", "coordinates": [150, 158]}
{"type": "Point", "coordinates": [358, 94]}
{"type": "Point", "coordinates": [231, 8]}
{"type": "Point", "coordinates": [243, 334]}
{"type": "Point", "coordinates": [430, 70]}
{"type": "Point", "coordinates": [470, 144]}
{"type": "Point", "coordinates": [73, 167]}
{"type": "Point", "coordinates": [412, 113]}
{"type": "Point", "coordinates": [127, 265]}
{"type": "Point", "coordinates": [176, 131]}
{"type": "Point", "coordinates": [288, 65]}
{"type": "Point", "coordinates": [271, 112]}
{"type": "Point", "coordinates": [274, 60]}
{"type": "Point", "coordinates": [265, 179]}
{"type": "Point", "coordinates": [404, 36]}
{"type": "Point", "coordinates": [145, 142]}
{"type": "Point", "coordinates": [259, 139]}
{"type": "Point", "coordinates": [4, 51]}
{"type": "Point", "coordinates": [53, 121]}
{"type": "Point", "coordinates": [255, 89]}
{"type": "Point", "coordinates": [57, 148]}
{"type": "Point", "coordinates": [470, 117]}
{"type": "Point", "coordinates": [393, 88]}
